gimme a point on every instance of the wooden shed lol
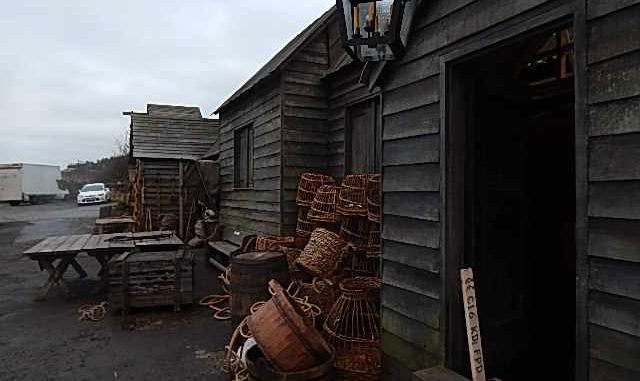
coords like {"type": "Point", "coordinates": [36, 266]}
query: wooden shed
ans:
{"type": "Point", "coordinates": [166, 144]}
{"type": "Point", "coordinates": [508, 137]}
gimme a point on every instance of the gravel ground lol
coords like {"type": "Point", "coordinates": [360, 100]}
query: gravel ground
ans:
{"type": "Point", "coordinates": [46, 341]}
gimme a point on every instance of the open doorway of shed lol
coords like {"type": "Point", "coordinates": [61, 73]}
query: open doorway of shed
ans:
{"type": "Point", "coordinates": [511, 206]}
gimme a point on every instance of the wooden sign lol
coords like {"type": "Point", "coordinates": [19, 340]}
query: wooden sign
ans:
{"type": "Point", "coordinates": [473, 324]}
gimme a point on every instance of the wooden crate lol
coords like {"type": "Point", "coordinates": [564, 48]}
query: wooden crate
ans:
{"type": "Point", "coordinates": [153, 278]}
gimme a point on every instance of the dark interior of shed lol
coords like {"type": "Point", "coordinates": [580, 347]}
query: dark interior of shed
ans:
{"type": "Point", "coordinates": [519, 205]}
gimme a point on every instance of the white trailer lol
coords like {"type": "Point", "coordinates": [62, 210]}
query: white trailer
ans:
{"type": "Point", "coordinates": [28, 182]}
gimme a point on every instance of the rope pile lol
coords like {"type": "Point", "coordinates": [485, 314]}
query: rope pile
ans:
{"type": "Point", "coordinates": [234, 363]}
{"type": "Point", "coordinates": [93, 312]}
{"type": "Point", "coordinates": [219, 304]}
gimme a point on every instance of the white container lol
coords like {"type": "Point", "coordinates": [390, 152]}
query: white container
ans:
{"type": "Point", "coordinates": [29, 182]}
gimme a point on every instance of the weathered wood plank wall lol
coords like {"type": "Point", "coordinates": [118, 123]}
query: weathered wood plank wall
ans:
{"type": "Point", "coordinates": [413, 337]}
{"type": "Point", "coordinates": [257, 209]}
{"type": "Point", "coordinates": [161, 189]}
{"type": "Point", "coordinates": [304, 115]}
{"type": "Point", "coordinates": [614, 188]}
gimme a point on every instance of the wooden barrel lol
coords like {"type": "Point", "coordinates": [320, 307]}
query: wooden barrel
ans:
{"type": "Point", "coordinates": [287, 340]}
{"type": "Point", "coordinates": [260, 370]}
{"type": "Point", "coordinates": [250, 276]}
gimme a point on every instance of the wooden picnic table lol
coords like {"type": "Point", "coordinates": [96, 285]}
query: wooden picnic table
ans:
{"type": "Point", "coordinates": [65, 249]}
{"type": "Point", "coordinates": [111, 224]}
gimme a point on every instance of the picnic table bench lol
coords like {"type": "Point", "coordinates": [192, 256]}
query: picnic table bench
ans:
{"type": "Point", "coordinates": [101, 247]}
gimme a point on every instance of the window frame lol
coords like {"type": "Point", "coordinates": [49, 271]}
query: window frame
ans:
{"type": "Point", "coordinates": [240, 150]}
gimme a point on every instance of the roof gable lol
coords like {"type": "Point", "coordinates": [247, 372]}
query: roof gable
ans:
{"type": "Point", "coordinates": [172, 132]}
{"type": "Point", "coordinates": [281, 57]}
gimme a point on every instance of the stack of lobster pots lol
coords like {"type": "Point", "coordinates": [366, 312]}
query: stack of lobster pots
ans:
{"type": "Point", "coordinates": [325, 324]}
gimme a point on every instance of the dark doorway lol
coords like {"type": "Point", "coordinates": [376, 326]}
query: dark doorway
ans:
{"type": "Point", "coordinates": [511, 205]}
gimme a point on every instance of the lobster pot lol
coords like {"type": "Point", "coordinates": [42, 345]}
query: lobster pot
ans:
{"type": "Point", "coordinates": [355, 230]}
{"type": "Point", "coordinates": [250, 276]}
{"type": "Point", "coordinates": [374, 246]}
{"type": "Point", "coordinates": [260, 369]}
{"type": "Point", "coordinates": [322, 257]}
{"type": "Point", "coordinates": [288, 340]}
{"type": "Point", "coordinates": [352, 199]}
{"type": "Point", "coordinates": [273, 243]}
{"type": "Point", "coordinates": [309, 185]}
{"type": "Point", "coordinates": [361, 264]}
{"type": "Point", "coordinates": [352, 328]}
{"type": "Point", "coordinates": [304, 226]}
{"type": "Point", "coordinates": [149, 279]}
{"type": "Point", "coordinates": [373, 198]}
{"type": "Point", "coordinates": [323, 208]}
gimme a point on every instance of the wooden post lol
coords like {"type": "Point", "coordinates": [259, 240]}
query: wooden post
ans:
{"type": "Point", "coordinates": [473, 324]}
{"type": "Point", "coordinates": [181, 201]}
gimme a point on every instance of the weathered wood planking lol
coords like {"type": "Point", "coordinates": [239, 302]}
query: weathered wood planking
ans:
{"type": "Point", "coordinates": [405, 354]}
{"type": "Point", "coordinates": [418, 307]}
{"type": "Point", "coordinates": [598, 8]}
{"type": "Point", "coordinates": [615, 277]}
{"type": "Point", "coordinates": [614, 35]}
{"type": "Point", "coordinates": [615, 347]}
{"type": "Point", "coordinates": [411, 279]}
{"type": "Point", "coordinates": [420, 257]}
{"type": "Point", "coordinates": [613, 118]}
{"type": "Point", "coordinates": [620, 199]}
{"type": "Point", "coordinates": [616, 312]}
{"type": "Point", "coordinates": [604, 371]}
{"type": "Point", "coordinates": [615, 158]}
{"type": "Point", "coordinates": [614, 79]}
{"type": "Point", "coordinates": [418, 205]}
{"type": "Point", "coordinates": [412, 331]}
{"type": "Point", "coordinates": [615, 239]}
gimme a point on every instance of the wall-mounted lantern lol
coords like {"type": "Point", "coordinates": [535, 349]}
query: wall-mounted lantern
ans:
{"type": "Point", "coordinates": [376, 30]}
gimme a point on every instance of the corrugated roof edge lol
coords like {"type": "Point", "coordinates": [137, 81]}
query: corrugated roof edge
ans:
{"type": "Point", "coordinates": [280, 58]}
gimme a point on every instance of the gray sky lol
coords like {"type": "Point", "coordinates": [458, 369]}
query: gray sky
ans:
{"type": "Point", "coordinates": [69, 68]}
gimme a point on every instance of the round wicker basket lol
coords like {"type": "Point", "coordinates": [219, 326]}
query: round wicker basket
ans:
{"type": "Point", "coordinates": [308, 186]}
{"type": "Point", "coordinates": [304, 226]}
{"type": "Point", "coordinates": [373, 198]}
{"type": "Point", "coordinates": [352, 328]}
{"type": "Point", "coordinates": [323, 208]}
{"type": "Point", "coordinates": [273, 243]}
{"type": "Point", "coordinates": [322, 257]}
{"type": "Point", "coordinates": [352, 200]}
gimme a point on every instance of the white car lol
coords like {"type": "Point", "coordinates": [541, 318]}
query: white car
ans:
{"type": "Point", "coordinates": [93, 193]}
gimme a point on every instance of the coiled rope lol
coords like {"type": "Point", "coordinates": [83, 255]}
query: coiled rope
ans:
{"type": "Point", "coordinates": [92, 312]}
{"type": "Point", "coordinates": [219, 304]}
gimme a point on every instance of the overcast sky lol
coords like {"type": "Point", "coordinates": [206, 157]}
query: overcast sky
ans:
{"type": "Point", "coordinates": [69, 68]}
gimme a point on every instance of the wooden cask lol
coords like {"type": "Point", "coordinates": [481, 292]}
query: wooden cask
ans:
{"type": "Point", "coordinates": [250, 276]}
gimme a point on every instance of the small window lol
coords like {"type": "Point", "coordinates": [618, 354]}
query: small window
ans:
{"type": "Point", "coordinates": [243, 157]}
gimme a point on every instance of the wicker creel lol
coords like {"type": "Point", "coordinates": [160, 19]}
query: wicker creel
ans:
{"type": "Point", "coordinates": [361, 264]}
{"type": "Point", "coordinates": [374, 247]}
{"type": "Point", "coordinates": [304, 226]}
{"type": "Point", "coordinates": [352, 200]}
{"type": "Point", "coordinates": [355, 230]}
{"type": "Point", "coordinates": [273, 243]}
{"type": "Point", "coordinates": [322, 257]}
{"type": "Point", "coordinates": [352, 327]}
{"type": "Point", "coordinates": [373, 197]}
{"type": "Point", "coordinates": [323, 208]}
{"type": "Point", "coordinates": [308, 186]}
